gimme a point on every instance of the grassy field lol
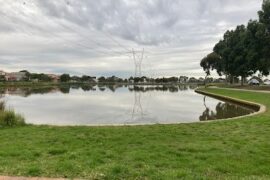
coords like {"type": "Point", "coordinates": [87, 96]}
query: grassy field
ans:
{"type": "Point", "coordinates": [237, 149]}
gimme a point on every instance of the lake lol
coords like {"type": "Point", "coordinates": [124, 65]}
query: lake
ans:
{"type": "Point", "coordinates": [117, 105]}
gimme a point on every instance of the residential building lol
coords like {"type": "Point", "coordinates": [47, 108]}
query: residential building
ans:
{"type": "Point", "coordinates": [2, 73]}
{"type": "Point", "coordinates": [266, 82]}
{"type": "Point", "coordinates": [220, 80]}
{"type": "Point", "coordinates": [183, 79]}
{"type": "Point", "coordinates": [54, 77]}
{"type": "Point", "coordinates": [15, 76]}
{"type": "Point", "coordinates": [75, 79]}
{"type": "Point", "coordinates": [254, 81]}
{"type": "Point", "coordinates": [193, 80]}
{"type": "Point", "coordinates": [201, 80]}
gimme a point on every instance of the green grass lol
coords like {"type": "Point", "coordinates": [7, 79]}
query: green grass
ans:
{"type": "Point", "coordinates": [237, 149]}
{"type": "Point", "coordinates": [238, 86]}
{"type": "Point", "coordinates": [9, 118]}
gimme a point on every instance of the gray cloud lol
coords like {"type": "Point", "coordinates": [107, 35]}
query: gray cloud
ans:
{"type": "Point", "coordinates": [92, 37]}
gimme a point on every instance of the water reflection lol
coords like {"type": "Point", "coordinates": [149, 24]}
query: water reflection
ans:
{"type": "Point", "coordinates": [137, 110]}
{"type": "Point", "coordinates": [27, 91]}
{"type": "Point", "coordinates": [117, 104]}
{"type": "Point", "coordinates": [223, 110]}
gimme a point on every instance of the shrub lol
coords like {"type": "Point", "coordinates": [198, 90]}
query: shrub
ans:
{"type": "Point", "coordinates": [2, 105]}
{"type": "Point", "coordinates": [8, 118]}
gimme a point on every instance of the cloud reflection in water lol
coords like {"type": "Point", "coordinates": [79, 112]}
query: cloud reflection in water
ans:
{"type": "Point", "coordinates": [115, 104]}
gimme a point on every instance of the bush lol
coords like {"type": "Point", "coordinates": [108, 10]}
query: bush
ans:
{"type": "Point", "coordinates": [8, 118]}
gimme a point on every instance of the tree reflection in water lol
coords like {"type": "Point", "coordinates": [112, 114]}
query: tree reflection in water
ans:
{"type": "Point", "coordinates": [117, 104]}
{"type": "Point", "coordinates": [223, 110]}
{"type": "Point", "coordinates": [27, 91]}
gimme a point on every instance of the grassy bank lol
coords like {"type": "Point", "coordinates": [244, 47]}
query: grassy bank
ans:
{"type": "Point", "coordinates": [224, 150]}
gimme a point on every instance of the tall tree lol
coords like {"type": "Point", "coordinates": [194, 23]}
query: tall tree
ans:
{"type": "Point", "coordinates": [240, 65]}
{"type": "Point", "coordinates": [264, 35]}
{"type": "Point", "coordinates": [233, 52]}
{"type": "Point", "coordinates": [65, 78]}
{"type": "Point", "coordinates": [210, 62]}
{"type": "Point", "coordinates": [222, 48]}
{"type": "Point", "coordinates": [245, 50]}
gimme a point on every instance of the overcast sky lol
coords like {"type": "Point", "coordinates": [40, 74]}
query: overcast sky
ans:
{"type": "Point", "coordinates": [95, 36]}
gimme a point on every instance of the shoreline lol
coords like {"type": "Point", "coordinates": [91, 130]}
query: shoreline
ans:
{"type": "Point", "coordinates": [258, 108]}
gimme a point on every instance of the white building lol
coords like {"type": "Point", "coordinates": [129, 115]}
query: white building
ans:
{"type": "Point", "coordinates": [183, 79]}
{"type": "Point", "coordinates": [266, 82]}
{"type": "Point", "coordinates": [253, 82]}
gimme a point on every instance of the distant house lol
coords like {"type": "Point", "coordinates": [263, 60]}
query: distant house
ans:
{"type": "Point", "coordinates": [15, 76]}
{"type": "Point", "coordinates": [209, 80]}
{"type": "Point", "coordinates": [55, 78]}
{"type": "Point", "coordinates": [114, 79]}
{"type": "Point", "coordinates": [255, 81]}
{"type": "Point", "coordinates": [201, 80]}
{"type": "Point", "coordinates": [2, 73]}
{"type": "Point", "coordinates": [220, 80]}
{"type": "Point", "coordinates": [75, 79]}
{"type": "Point", "coordinates": [183, 79]}
{"type": "Point", "coordinates": [144, 79]}
{"type": "Point", "coordinates": [34, 80]}
{"type": "Point", "coordinates": [193, 80]}
{"type": "Point", "coordinates": [266, 82]}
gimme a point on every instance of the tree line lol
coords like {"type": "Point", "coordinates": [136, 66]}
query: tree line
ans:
{"type": "Point", "coordinates": [244, 50]}
{"type": "Point", "coordinates": [41, 77]}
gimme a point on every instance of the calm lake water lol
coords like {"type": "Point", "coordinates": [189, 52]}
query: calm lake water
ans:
{"type": "Point", "coordinates": [117, 105]}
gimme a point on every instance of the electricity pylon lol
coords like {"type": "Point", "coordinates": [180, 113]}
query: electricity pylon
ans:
{"type": "Point", "coordinates": [138, 62]}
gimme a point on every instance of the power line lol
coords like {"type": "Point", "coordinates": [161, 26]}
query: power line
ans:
{"type": "Point", "coordinates": [70, 41]}
{"type": "Point", "coordinates": [110, 37]}
{"type": "Point", "coordinates": [138, 56]}
{"type": "Point", "coordinates": [97, 43]}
